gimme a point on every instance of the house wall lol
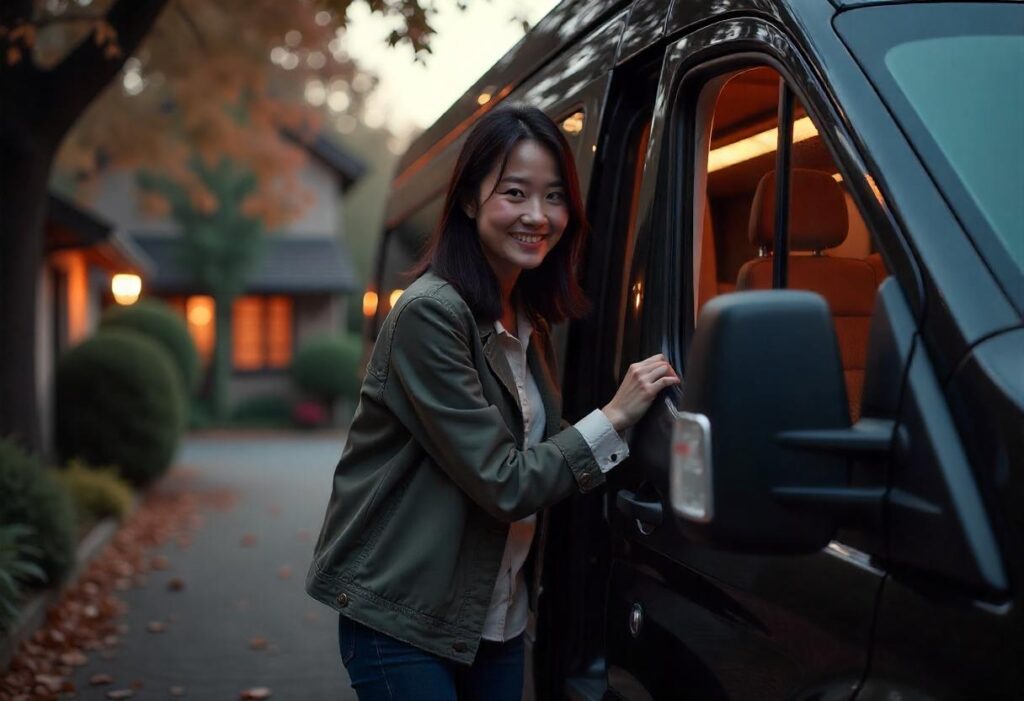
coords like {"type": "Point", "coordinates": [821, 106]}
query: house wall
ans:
{"type": "Point", "coordinates": [82, 306]}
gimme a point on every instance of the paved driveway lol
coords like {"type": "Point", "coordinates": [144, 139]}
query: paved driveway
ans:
{"type": "Point", "coordinates": [243, 580]}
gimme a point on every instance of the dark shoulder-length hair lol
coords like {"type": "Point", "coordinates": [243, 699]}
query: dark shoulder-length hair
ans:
{"type": "Point", "coordinates": [549, 292]}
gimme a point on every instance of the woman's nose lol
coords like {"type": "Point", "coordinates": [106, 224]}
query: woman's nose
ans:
{"type": "Point", "coordinates": [533, 214]}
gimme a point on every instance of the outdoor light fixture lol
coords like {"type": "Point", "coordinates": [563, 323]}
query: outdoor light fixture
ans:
{"type": "Point", "coordinates": [757, 145]}
{"type": "Point", "coordinates": [573, 124]}
{"type": "Point", "coordinates": [369, 303]}
{"type": "Point", "coordinates": [126, 288]}
{"type": "Point", "coordinates": [393, 299]}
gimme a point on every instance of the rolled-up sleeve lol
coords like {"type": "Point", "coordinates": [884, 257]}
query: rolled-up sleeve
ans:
{"type": "Point", "coordinates": [605, 443]}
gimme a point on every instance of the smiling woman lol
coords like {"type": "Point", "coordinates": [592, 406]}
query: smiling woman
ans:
{"type": "Point", "coordinates": [458, 447]}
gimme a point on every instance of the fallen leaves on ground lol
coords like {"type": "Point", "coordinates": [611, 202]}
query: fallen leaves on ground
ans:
{"type": "Point", "coordinates": [255, 694]}
{"type": "Point", "coordinates": [84, 620]}
{"type": "Point", "coordinates": [284, 571]}
{"type": "Point", "coordinates": [248, 540]}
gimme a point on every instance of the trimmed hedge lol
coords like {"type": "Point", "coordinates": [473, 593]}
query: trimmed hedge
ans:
{"type": "Point", "coordinates": [154, 318]}
{"type": "Point", "coordinates": [97, 492]}
{"type": "Point", "coordinates": [119, 402]}
{"type": "Point", "coordinates": [268, 410]}
{"type": "Point", "coordinates": [32, 497]}
{"type": "Point", "coordinates": [328, 368]}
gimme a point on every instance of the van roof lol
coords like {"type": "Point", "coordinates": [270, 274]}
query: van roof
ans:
{"type": "Point", "coordinates": [554, 33]}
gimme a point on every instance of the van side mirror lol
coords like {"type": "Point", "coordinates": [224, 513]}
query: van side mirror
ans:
{"type": "Point", "coordinates": [763, 366]}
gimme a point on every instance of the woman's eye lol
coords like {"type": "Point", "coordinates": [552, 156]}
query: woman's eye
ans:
{"type": "Point", "coordinates": [514, 192]}
{"type": "Point", "coordinates": [556, 196]}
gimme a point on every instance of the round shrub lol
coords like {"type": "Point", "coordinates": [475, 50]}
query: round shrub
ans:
{"type": "Point", "coordinates": [328, 368]}
{"type": "Point", "coordinates": [98, 492]}
{"type": "Point", "coordinates": [33, 497]}
{"type": "Point", "coordinates": [119, 402]}
{"type": "Point", "coordinates": [268, 410]}
{"type": "Point", "coordinates": [154, 318]}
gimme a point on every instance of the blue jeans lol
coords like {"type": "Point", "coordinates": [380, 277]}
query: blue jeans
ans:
{"type": "Point", "coordinates": [382, 668]}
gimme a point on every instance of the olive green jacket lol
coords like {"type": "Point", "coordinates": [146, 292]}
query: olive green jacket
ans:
{"type": "Point", "coordinates": [434, 472]}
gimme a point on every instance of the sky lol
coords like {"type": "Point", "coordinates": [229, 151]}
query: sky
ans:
{"type": "Point", "coordinates": [411, 96]}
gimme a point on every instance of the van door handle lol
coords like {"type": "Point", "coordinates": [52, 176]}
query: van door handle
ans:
{"type": "Point", "coordinates": [646, 512]}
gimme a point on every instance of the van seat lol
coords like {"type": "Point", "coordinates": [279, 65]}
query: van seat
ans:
{"type": "Point", "coordinates": [817, 220]}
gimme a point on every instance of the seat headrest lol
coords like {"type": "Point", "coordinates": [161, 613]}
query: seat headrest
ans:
{"type": "Point", "coordinates": [817, 211]}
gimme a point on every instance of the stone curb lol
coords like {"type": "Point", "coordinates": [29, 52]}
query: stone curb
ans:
{"type": "Point", "coordinates": [33, 613]}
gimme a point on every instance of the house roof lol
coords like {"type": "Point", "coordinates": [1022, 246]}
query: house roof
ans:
{"type": "Point", "coordinates": [333, 155]}
{"type": "Point", "coordinates": [70, 226]}
{"type": "Point", "coordinates": [289, 265]}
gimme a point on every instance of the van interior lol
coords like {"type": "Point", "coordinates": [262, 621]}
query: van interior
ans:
{"type": "Point", "coordinates": [830, 250]}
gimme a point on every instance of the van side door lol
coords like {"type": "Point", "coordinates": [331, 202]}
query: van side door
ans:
{"type": "Point", "coordinates": [692, 619]}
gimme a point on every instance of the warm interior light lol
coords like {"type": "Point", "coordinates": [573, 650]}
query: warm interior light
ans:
{"type": "Point", "coordinates": [370, 303]}
{"type": "Point", "coordinates": [838, 177]}
{"type": "Point", "coordinates": [126, 288]}
{"type": "Point", "coordinates": [573, 124]}
{"type": "Point", "coordinates": [200, 310]}
{"type": "Point", "coordinates": [484, 98]}
{"type": "Point", "coordinates": [757, 145]}
{"type": "Point", "coordinates": [393, 299]}
{"type": "Point", "coordinates": [638, 295]}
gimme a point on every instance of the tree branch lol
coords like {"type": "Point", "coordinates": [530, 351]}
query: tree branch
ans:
{"type": "Point", "coordinates": [190, 22]}
{"type": "Point", "coordinates": [71, 85]}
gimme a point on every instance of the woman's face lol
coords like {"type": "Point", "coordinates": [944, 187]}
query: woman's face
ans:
{"type": "Point", "coordinates": [521, 217]}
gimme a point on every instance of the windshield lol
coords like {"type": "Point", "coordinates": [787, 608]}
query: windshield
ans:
{"type": "Point", "coordinates": [951, 73]}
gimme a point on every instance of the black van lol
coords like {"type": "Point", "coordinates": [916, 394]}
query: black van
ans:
{"type": "Point", "coordinates": [815, 208]}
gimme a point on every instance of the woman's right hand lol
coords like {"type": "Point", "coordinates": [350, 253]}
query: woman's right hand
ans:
{"type": "Point", "coordinates": [643, 381]}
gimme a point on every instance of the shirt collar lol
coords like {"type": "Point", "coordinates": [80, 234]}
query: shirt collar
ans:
{"type": "Point", "coordinates": [525, 328]}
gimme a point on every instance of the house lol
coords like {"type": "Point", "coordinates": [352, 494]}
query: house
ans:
{"type": "Point", "coordinates": [296, 291]}
{"type": "Point", "coordinates": [83, 252]}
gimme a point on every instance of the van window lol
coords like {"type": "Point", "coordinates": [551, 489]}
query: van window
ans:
{"type": "Point", "coordinates": [828, 250]}
{"type": "Point", "coordinates": [950, 73]}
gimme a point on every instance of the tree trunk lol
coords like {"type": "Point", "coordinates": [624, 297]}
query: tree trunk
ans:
{"type": "Point", "coordinates": [37, 108]}
{"type": "Point", "coordinates": [220, 367]}
{"type": "Point", "coordinates": [24, 169]}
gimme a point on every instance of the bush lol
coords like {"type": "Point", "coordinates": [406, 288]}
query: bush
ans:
{"type": "Point", "coordinates": [270, 410]}
{"type": "Point", "coordinates": [17, 567]}
{"type": "Point", "coordinates": [98, 493]}
{"type": "Point", "coordinates": [155, 319]}
{"type": "Point", "coordinates": [33, 497]}
{"type": "Point", "coordinates": [328, 368]}
{"type": "Point", "coordinates": [119, 402]}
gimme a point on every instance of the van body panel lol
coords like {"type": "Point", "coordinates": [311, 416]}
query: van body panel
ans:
{"type": "Point", "coordinates": [645, 27]}
{"type": "Point", "coordinates": [560, 28]}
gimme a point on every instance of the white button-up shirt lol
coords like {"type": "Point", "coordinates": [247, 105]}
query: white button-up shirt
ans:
{"type": "Point", "coordinates": [507, 614]}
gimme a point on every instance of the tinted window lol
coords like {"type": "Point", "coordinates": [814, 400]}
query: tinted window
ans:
{"type": "Point", "coordinates": [951, 75]}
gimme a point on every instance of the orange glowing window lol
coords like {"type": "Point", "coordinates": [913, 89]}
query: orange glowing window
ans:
{"type": "Point", "coordinates": [247, 333]}
{"type": "Point", "coordinates": [279, 332]}
{"type": "Point", "coordinates": [262, 330]}
{"type": "Point", "coordinates": [200, 314]}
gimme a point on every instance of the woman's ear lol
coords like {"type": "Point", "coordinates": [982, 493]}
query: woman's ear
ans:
{"type": "Point", "coordinates": [469, 207]}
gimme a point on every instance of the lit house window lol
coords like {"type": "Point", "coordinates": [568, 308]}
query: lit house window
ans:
{"type": "Point", "coordinates": [200, 315]}
{"type": "Point", "coordinates": [262, 333]}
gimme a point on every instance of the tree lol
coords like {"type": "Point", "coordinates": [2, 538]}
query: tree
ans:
{"type": "Point", "coordinates": [58, 56]}
{"type": "Point", "coordinates": [220, 245]}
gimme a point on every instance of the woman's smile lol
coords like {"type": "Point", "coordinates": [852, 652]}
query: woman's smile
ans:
{"type": "Point", "coordinates": [521, 211]}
